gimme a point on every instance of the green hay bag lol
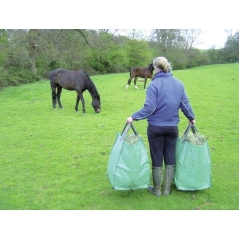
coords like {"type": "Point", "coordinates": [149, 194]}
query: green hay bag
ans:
{"type": "Point", "coordinates": [128, 165]}
{"type": "Point", "coordinates": [193, 163]}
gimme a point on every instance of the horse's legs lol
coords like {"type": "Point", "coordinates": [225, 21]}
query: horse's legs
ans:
{"type": "Point", "coordinates": [77, 103]}
{"type": "Point", "coordinates": [53, 92]}
{"type": "Point", "coordinates": [135, 79]}
{"type": "Point", "coordinates": [59, 89]}
{"type": "Point", "coordinates": [78, 98]}
{"type": "Point", "coordinates": [129, 81]}
{"type": "Point", "coordinates": [145, 81]}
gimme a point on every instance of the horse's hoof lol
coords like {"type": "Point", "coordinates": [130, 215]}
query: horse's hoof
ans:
{"type": "Point", "coordinates": [127, 87]}
{"type": "Point", "coordinates": [77, 111]}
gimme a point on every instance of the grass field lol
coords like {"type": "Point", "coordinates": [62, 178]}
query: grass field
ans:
{"type": "Point", "coordinates": [57, 159]}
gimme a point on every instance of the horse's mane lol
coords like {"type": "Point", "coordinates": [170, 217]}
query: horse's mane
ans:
{"type": "Point", "coordinates": [91, 87]}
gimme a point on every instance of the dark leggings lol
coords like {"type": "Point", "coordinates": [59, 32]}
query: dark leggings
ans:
{"type": "Point", "coordinates": [162, 144]}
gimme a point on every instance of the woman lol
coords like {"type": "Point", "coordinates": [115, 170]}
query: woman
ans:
{"type": "Point", "coordinates": [164, 96]}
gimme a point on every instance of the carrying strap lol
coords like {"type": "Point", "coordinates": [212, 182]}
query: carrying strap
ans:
{"type": "Point", "coordinates": [190, 127]}
{"type": "Point", "coordinates": [126, 129]}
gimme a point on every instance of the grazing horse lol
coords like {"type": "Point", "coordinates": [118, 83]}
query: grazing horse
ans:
{"type": "Point", "coordinates": [73, 80]}
{"type": "Point", "coordinates": [142, 72]}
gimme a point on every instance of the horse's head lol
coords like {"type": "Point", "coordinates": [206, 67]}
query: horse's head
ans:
{"type": "Point", "coordinates": [96, 104]}
{"type": "Point", "coordinates": [151, 67]}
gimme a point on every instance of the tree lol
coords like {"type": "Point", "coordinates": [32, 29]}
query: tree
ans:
{"type": "Point", "coordinates": [17, 53]}
{"type": "Point", "coordinates": [166, 40]}
{"type": "Point", "coordinates": [32, 48]}
{"type": "Point", "coordinates": [138, 53]}
{"type": "Point", "coordinates": [106, 50]}
{"type": "Point", "coordinates": [177, 45]}
{"type": "Point", "coordinates": [190, 37]}
{"type": "Point", "coordinates": [213, 55]}
{"type": "Point", "coordinates": [105, 53]}
{"type": "Point", "coordinates": [136, 34]}
{"type": "Point", "coordinates": [231, 48]}
{"type": "Point", "coordinates": [3, 47]}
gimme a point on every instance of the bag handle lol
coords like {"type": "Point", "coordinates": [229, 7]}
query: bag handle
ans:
{"type": "Point", "coordinates": [126, 129]}
{"type": "Point", "coordinates": [190, 127]}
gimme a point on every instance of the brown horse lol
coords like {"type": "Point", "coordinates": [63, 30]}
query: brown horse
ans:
{"type": "Point", "coordinates": [142, 72]}
{"type": "Point", "coordinates": [73, 80]}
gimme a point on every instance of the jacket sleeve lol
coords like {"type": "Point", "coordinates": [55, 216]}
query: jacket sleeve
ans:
{"type": "Point", "coordinates": [149, 105]}
{"type": "Point", "coordinates": [186, 107]}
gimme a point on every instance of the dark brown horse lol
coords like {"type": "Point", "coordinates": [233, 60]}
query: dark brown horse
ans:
{"type": "Point", "coordinates": [73, 80]}
{"type": "Point", "coordinates": [142, 72]}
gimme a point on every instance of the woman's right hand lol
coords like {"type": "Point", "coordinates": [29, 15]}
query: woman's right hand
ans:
{"type": "Point", "coordinates": [129, 120]}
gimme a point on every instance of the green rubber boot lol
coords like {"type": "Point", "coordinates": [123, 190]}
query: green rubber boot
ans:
{"type": "Point", "coordinates": [156, 174]}
{"type": "Point", "coordinates": [168, 178]}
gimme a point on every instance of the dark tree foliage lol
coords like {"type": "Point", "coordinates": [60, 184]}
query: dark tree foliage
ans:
{"type": "Point", "coordinates": [100, 51]}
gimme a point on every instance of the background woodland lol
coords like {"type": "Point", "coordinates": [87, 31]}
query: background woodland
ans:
{"type": "Point", "coordinates": [27, 55]}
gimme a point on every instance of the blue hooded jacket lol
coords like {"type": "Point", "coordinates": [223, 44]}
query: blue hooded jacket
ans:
{"type": "Point", "coordinates": [164, 96]}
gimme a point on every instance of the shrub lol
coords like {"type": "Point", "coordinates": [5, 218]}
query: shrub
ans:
{"type": "Point", "coordinates": [16, 76]}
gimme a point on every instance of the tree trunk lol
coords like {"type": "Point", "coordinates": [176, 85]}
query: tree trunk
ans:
{"type": "Point", "coordinates": [33, 49]}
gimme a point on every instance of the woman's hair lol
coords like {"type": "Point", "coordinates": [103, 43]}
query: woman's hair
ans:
{"type": "Point", "coordinates": [162, 63]}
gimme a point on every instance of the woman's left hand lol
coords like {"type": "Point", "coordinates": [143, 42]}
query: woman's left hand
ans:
{"type": "Point", "coordinates": [192, 121]}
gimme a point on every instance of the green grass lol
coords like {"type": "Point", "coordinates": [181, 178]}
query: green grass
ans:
{"type": "Point", "coordinates": [57, 159]}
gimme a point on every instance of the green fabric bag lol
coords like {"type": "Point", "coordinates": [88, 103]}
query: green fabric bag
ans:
{"type": "Point", "coordinates": [193, 163]}
{"type": "Point", "coordinates": [128, 165]}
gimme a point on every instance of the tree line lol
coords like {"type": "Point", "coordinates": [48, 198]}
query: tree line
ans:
{"type": "Point", "coordinates": [27, 55]}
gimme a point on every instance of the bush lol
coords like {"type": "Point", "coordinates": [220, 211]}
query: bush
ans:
{"type": "Point", "coordinates": [16, 76]}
